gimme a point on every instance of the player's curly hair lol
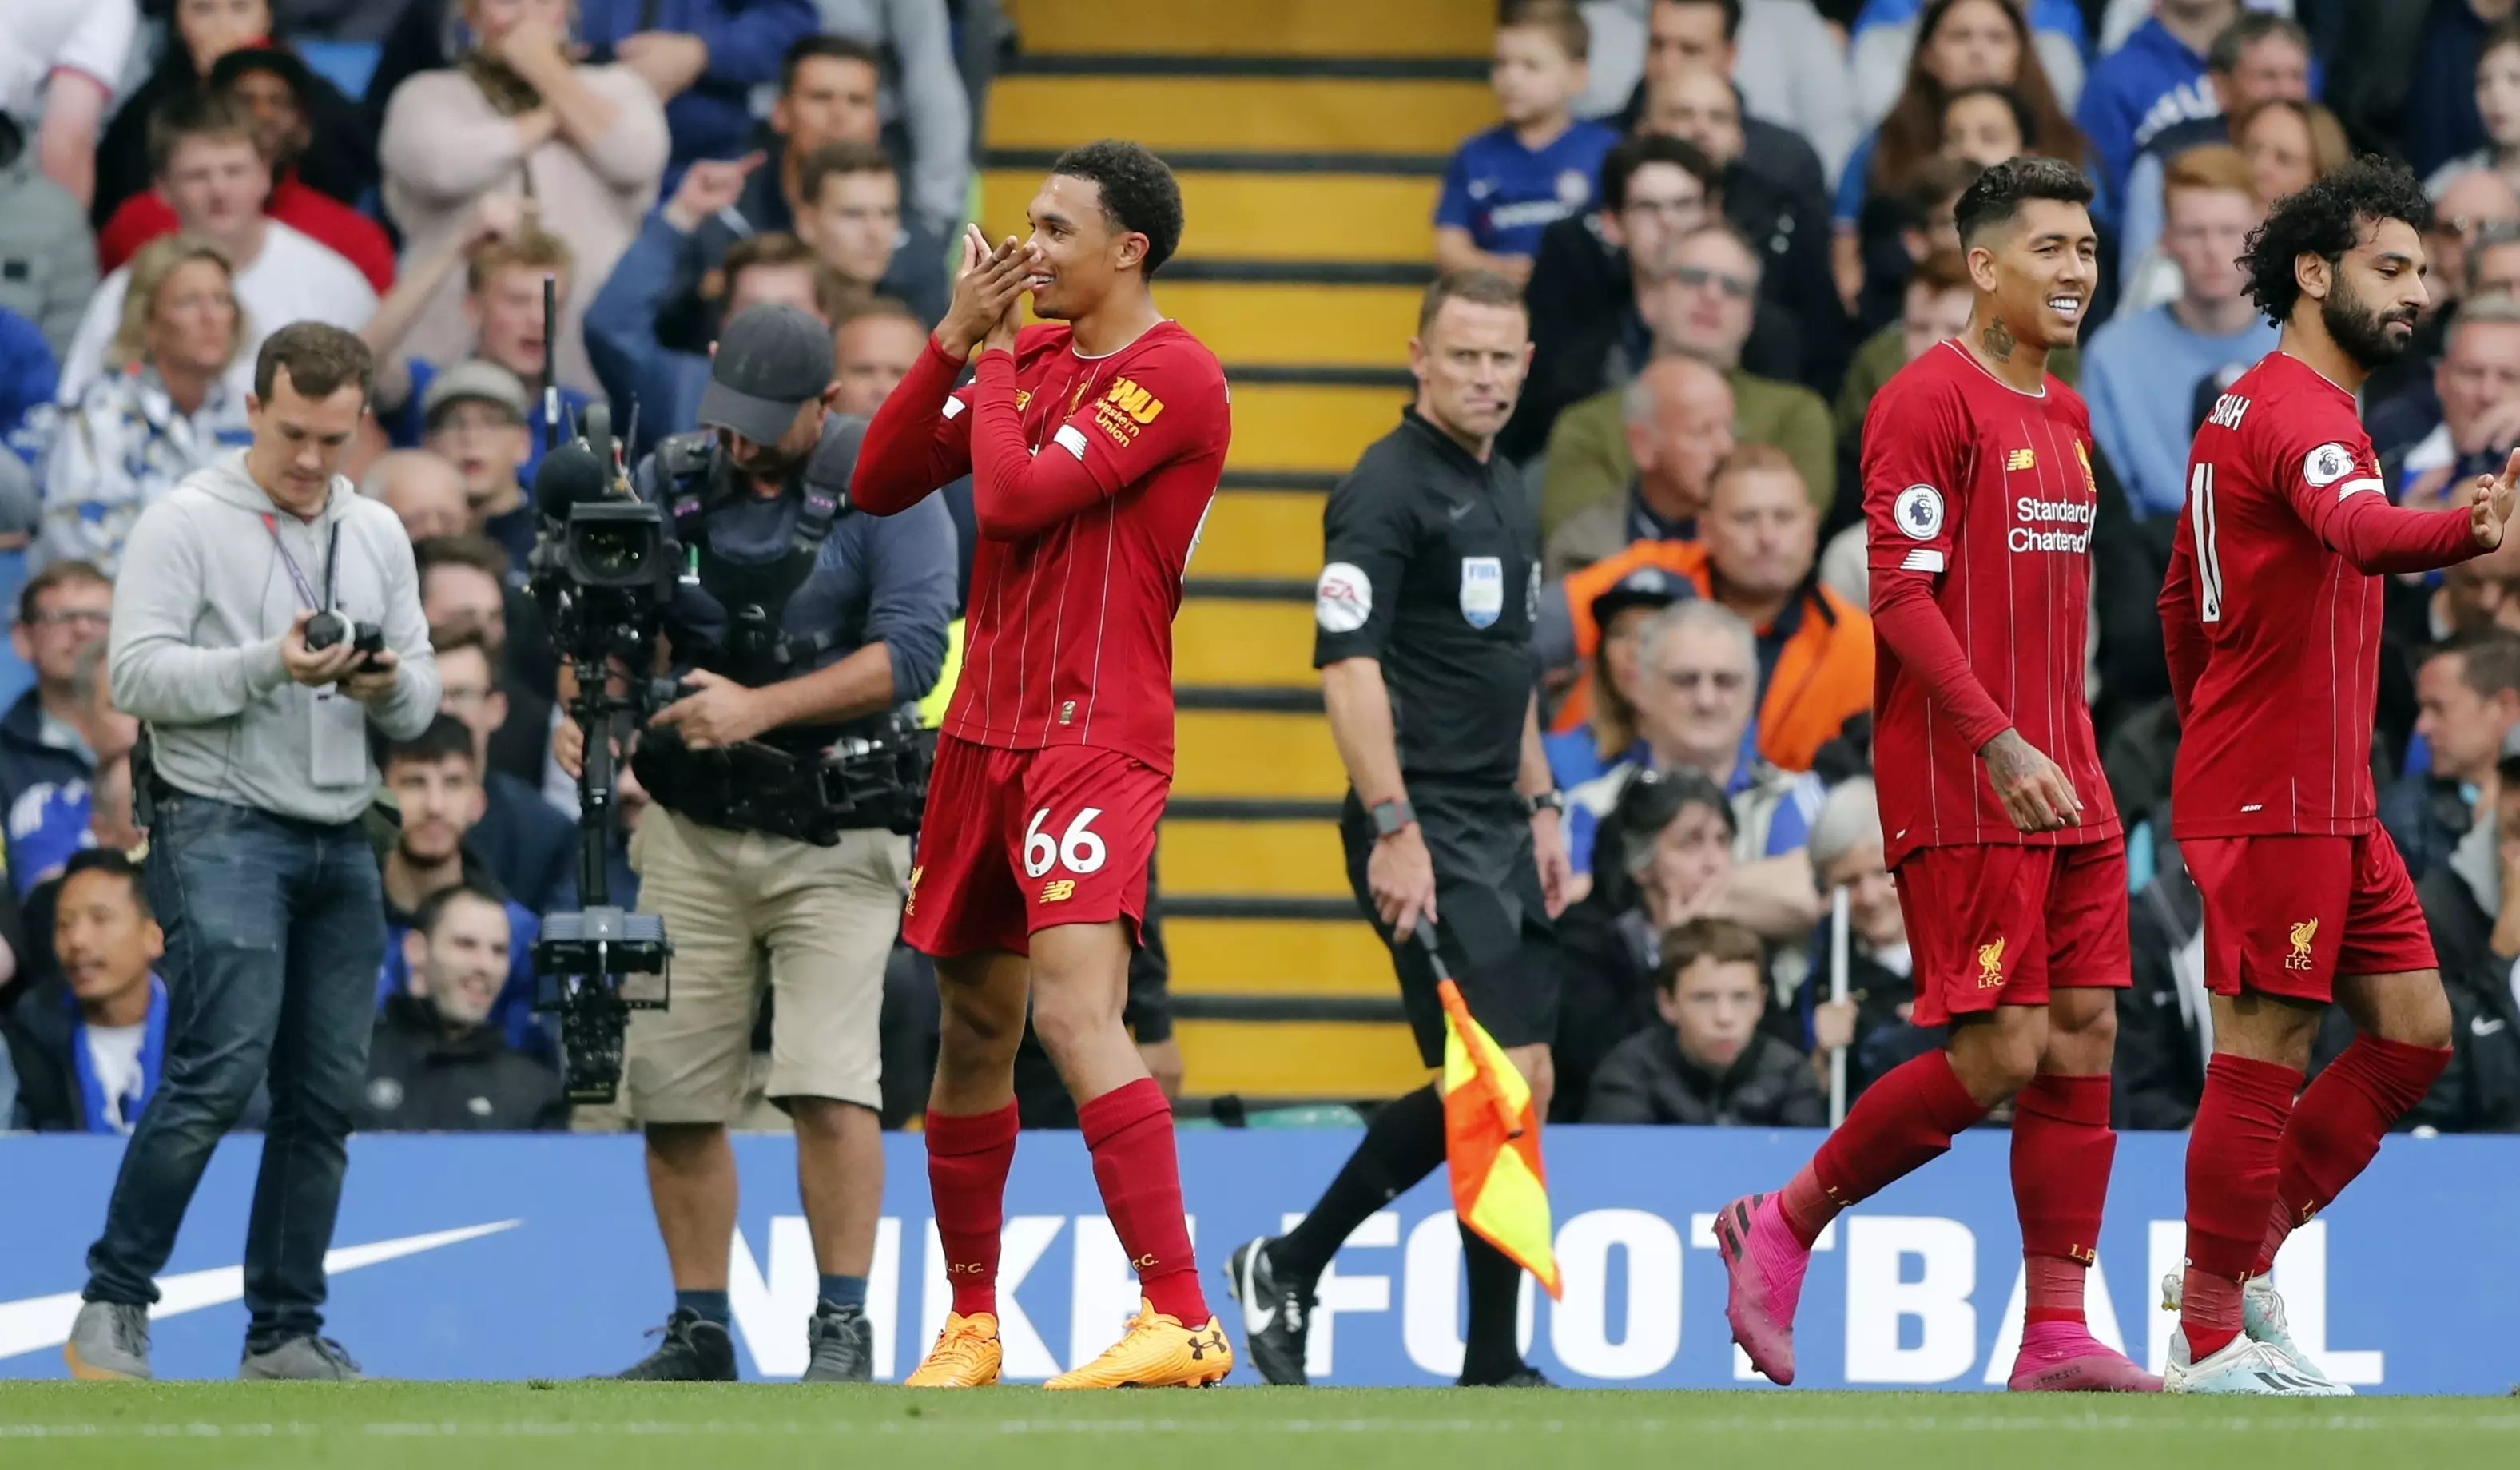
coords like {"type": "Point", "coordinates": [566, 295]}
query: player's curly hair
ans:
{"type": "Point", "coordinates": [1139, 193]}
{"type": "Point", "coordinates": [2328, 220]}
{"type": "Point", "coordinates": [1996, 195]}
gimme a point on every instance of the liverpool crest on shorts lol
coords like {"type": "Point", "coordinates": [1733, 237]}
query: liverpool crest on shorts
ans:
{"type": "Point", "coordinates": [1482, 590]}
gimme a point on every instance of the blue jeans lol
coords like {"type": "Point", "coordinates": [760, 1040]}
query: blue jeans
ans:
{"type": "Point", "coordinates": [274, 932]}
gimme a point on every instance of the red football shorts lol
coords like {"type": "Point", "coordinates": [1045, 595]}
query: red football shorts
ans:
{"type": "Point", "coordinates": [1998, 923]}
{"type": "Point", "coordinates": [2285, 915]}
{"type": "Point", "coordinates": [1019, 840]}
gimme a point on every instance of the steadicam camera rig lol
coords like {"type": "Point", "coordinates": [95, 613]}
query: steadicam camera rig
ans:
{"type": "Point", "coordinates": [602, 571]}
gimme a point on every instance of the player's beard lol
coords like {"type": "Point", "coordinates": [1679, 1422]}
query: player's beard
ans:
{"type": "Point", "coordinates": [2364, 333]}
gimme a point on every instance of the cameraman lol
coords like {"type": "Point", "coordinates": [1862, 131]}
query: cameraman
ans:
{"type": "Point", "coordinates": [258, 868]}
{"type": "Point", "coordinates": [808, 623]}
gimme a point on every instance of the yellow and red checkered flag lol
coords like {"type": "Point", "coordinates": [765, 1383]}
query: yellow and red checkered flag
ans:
{"type": "Point", "coordinates": [1492, 1141]}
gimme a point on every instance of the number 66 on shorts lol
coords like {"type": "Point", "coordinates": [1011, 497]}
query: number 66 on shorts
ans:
{"type": "Point", "coordinates": [1019, 840]}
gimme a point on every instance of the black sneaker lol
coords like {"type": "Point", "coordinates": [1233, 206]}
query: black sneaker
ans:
{"type": "Point", "coordinates": [694, 1351]}
{"type": "Point", "coordinates": [842, 1342]}
{"type": "Point", "coordinates": [1275, 1318]}
{"type": "Point", "coordinates": [1524, 1375]}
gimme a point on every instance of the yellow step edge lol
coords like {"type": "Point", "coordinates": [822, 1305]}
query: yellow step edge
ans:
{"type": "Point", "coordinates": [1277, 956]}
{"type": "Point", "coordinates": [1282, 27]}
{"type": "Point", "coordinates": [1246, 753]}
{"type": "Point", "coordinates": [1261, 533]}
{"type": "Point", "coordinates": [1296, 427]}
{"type": "Point", "coordinates": [1264, 216]}
{"type": "Point", "coordinates": [1260, 859]}
{"type": "Point", "coordinates": [1249, 324]}
{"type": "Point", "coordinates": [1338, 1059]}
{"type": "Point", "coordinates": [1224, 641]}
{"type": "Point", "coordinates": [1240, 113]}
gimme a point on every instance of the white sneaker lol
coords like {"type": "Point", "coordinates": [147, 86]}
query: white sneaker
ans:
{"type": "Point", "coordinates": [2242, 1366]}
{"type": "Point", "coordinates": [2262, 1320]}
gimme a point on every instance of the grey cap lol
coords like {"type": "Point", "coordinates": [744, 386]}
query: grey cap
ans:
{"type": "Point", "coordinates": [771, 361]}
{"type": "Point", "coordinates": [475, 381]}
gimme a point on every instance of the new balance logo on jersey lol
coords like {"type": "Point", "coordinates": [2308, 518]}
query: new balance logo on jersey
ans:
{"type": "Point", "coordinates": [2302, 935]}
{"type": "Point", "coordinates": [1059, 890]}
{"type": "Point", "coordinates": [2074, 516]}
{"type": "Point", "coordinates": [2228, 410]}
{"type": "Point", "coordinates": [2021, 458]}
{"type": "Point", "coordinates": [1990, 965]}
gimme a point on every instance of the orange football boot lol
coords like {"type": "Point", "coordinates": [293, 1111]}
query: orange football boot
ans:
{"type": "Point", "coordinates": [1156, 1352]}
{"type": "Point", "coordinates": [967, 1354]}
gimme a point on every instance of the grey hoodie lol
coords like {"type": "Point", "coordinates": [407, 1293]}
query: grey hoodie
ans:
{"type": "Point", "coordinates": [198, 613]}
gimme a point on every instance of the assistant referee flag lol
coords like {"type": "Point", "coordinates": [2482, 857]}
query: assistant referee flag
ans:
{"type": "Point", "coordinates": [1492, 1141]}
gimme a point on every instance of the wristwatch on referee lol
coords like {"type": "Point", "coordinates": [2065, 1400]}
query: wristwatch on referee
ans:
{"type": "Point", "coordinates": [1551, 800]}
{"type": "Point", "coordinates": [1390, 816]}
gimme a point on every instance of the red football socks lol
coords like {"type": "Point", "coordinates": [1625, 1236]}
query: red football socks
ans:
{"type": "Point", "coordinates": [1903, 1122]}
{"type": "Point", "coordinates": [2061, 1151]}
{"type": "Point", "coordinates": [1130, 1130]}
{"type": "Point", "coordinates": [2232, 1154]}
{"type": "Point", "coordinates": [2337, 1127]}
{"type": "Point", "coordinates": [967, 1159]}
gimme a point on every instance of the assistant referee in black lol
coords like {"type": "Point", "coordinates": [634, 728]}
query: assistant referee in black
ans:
{"type": "Point", "coordinates": [1423, 640]}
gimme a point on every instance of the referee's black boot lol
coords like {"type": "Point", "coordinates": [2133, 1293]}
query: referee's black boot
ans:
{"type": "Point", "coordinates": [1275, 1316]}
{"type": "Point", "coordinates": [1524, 1375]}
{"type": "Point", "coordinates": [696, 1350]}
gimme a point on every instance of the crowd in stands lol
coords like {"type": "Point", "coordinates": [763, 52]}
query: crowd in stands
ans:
{"type": "Point", "coordinates": [1733, 220]}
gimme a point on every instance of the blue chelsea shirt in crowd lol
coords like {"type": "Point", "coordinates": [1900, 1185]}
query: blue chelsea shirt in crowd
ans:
{"type": "Point", "coordinates": [1505, 194]}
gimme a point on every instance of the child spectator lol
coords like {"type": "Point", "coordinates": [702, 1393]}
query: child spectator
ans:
{"type": "Point", "coordinates": [1540, 166]}
{"type": "Point", "coordinates": [2498, 108]}
{"type": "Point", "coordinates": [528, 845]}
{"type": "Point", "coordinates": [1713, 1066]}
{"type": "Point", "coordinates": [168, 404]}
{"type": "Point", "coordinates": [475, 416]}
{"type": "Point", "coordinates": [518, 115]}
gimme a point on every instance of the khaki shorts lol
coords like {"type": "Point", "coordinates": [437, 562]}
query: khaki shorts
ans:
{"type": "Point", "coordinates": [825, 917]}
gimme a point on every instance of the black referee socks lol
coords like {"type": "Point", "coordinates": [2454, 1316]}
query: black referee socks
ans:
{"type": "Point", "coordinates": [1402, 1145]}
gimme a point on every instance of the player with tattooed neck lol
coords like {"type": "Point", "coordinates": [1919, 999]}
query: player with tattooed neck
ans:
{"type": "Point", "coordinates": [1978, 500]}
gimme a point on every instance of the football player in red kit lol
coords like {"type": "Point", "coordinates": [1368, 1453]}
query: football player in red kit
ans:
{"type": "Point", "coordinates": [1094, 442]}
{"type": "Point", "coordinates": [1978, 498]}
{"type": "Point", "coordinates": [2271, 612]}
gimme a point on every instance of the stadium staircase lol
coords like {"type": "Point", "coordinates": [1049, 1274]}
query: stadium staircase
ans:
{"type": "Point", "coordinates": [1310, 137]}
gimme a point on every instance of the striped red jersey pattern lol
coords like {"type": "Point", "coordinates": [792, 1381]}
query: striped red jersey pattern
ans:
{"type": "Point", "coordinates": [1978, 503]}
{"type": "Point", "coordinates": [2274, 635]}
{"type": "Point", "coordinates": [1090, 479]}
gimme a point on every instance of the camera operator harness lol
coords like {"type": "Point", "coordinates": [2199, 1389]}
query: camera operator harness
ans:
{"type": "Point", "coordinates": [788, 785]}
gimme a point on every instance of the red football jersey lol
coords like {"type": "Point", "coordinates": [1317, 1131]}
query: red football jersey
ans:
{"type": "Point", "coordinates": [2271, 611]}
{"type": "Point", "coordinates": [1091, 477]}
{"type": "Point", "coordinates": [1978, 500]}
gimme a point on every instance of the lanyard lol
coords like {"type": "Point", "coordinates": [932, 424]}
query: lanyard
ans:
{"type": "Point", "coordinates": [153, 1063]}
{"type": "Point", "coordinates": [332, 546]}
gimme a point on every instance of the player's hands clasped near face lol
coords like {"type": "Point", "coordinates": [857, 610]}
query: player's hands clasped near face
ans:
{"type": "Point", "coordinates": [986, 291]}
{"type": "Point", "coordinates": [2490, 514]}
{"type": "Point", "coordinates": [1400, 874]}
{"type": "Point", "coordinates": [2035, 790]}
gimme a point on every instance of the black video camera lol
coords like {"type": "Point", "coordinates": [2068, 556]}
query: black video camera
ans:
{"type": "Point", "coordinates": [602, 571]}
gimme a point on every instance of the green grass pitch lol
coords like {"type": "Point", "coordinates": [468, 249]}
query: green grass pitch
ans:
{"type": "Point", "coordinates": [606, 1426]}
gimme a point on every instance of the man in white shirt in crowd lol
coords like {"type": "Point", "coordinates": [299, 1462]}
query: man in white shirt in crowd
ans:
{"type": "Point", "coordinates": [201, 148]}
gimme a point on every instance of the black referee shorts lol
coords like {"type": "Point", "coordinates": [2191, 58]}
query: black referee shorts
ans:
{"type": "Point", "coordinates": [1492, 929]}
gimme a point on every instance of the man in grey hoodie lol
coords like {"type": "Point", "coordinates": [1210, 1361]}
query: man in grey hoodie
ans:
{"type": "Point", "coordinates": [259, 869]}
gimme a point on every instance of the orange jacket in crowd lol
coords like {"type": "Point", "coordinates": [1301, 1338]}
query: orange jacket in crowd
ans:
{"type": "Point", "coordinates": [1824, 676]}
